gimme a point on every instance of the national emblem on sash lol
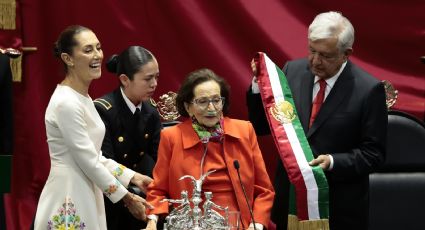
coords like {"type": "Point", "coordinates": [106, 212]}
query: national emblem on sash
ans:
{"type": "Point", "coordinates": [283, 112]}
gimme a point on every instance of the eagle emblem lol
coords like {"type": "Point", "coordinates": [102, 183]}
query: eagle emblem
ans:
{"type": "Point", "coordinates": [283, 112]}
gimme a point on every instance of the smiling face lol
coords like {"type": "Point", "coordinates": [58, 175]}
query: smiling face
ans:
{"type": "Point", "coordinates": [143, 84]}
{"type": "Point", "coordinates": [325, 58]}
{"type": "Point", "coordinates": [86, 58]}
{"type": "Point", "coordinates": [210, 115]}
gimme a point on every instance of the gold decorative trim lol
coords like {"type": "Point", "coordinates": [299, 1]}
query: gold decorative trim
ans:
{"type": "Point", "coordinates": [152, 101]}
{"type": "Point", "coordinates": [295, 224]}
{"type": "Point", "coordinates": [283, 112]}
{"type": "Point", "coordinates": [167, 107]}
{"type": "Point", "coordinates": [16, 60]}
{"type": "Point", "coordinates": [7, 14]}
{"type": "Point", "coordinates": [391, 93]}
{"type": "Point", "coordinates": [104, 103]}
{"type": "Point", "coordinates": [16, 68]}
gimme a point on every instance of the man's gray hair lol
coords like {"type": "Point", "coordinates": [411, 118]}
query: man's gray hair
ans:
{"type": "Point", "coordinates": [332, 25]}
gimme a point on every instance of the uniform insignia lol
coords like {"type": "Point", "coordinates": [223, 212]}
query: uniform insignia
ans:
{"type": "Point", "coordinates": [152, 101]}
{"type": "Point", "coordinates": [103, 103]}
{"type": "Point", "coordinates": [120, 139]}
{"type": "Point", "coordinates": [283, 112]}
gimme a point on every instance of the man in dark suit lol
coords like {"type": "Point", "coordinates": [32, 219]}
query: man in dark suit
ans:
{"type": "Point", "coordinates": [347, 133]}
{"type": "Point", "coordinates": [132, 123]}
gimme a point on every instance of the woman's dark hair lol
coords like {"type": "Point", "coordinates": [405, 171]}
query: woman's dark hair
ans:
{"type": "Point", "coordinates": [129, 61]}
{"type": "Point", "coordinates": [195, 78]}
{"type": "Point", "coordinates": [66, 41]}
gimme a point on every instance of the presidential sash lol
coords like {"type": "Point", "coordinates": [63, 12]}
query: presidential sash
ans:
{"type": "Point", "coordinates": [309, 183]}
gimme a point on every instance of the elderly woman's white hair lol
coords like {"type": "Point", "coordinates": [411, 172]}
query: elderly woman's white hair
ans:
{"type": "Point", "coordinates": [332, 25]}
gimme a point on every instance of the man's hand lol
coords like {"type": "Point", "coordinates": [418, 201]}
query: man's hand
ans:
{"type": "Point", "coordinates": [254, 68]}
{"type": "Point", "coordinates": [141, 181]}
{"type": "Point", "coordinates": [323, 161]}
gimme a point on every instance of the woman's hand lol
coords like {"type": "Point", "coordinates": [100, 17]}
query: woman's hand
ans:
{"type": "Point", "coordinates": [151, 225]}
{"type": "Point", "coordinates": [141, 181]}
{"type": "Point", "coordinates": [136, 205]}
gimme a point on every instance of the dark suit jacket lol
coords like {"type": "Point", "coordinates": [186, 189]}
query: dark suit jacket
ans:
{"type": "Point", "coordinates": [6, 117]}
{"type": "Point", "coordinates": [130, 140]}
{"type": "Point", "coordinates": [351, 126]}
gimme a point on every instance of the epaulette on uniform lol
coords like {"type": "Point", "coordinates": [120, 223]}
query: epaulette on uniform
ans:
{"type": "Point", "coordinates": [103, 103]}
{"type": "Point", "coordinates": [152, 101]}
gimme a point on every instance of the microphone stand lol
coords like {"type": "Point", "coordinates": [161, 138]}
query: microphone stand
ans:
{"type": "Point", "coordinates": [237, 166]}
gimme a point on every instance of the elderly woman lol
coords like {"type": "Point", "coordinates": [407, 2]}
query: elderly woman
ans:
{"type": "Point", "coordinates": [210, 141]}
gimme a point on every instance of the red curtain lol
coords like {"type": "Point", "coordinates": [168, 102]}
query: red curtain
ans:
{"type": "Point", "coordinates": [189, 34]}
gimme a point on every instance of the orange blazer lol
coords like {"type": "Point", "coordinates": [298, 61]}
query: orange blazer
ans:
{"type": "Point", "coordinates": [240, 143]}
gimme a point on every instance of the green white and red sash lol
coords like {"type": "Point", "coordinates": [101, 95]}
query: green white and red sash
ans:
{"type": "Point", "coordinates": [310, 183]}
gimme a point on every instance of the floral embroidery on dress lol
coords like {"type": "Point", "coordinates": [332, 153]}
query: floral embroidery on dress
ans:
{"type": "Point", "coordinates": [118, 171]}
{"type": "Point", "coordinates": [66, 218]}
{"type": "Point", "coordinates": [112, 188]}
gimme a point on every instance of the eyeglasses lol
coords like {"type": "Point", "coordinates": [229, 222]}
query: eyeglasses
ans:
{"type": "Point", "coordinates": [322, 56]}
{"type": "Point", "coordinates": [204, 102]}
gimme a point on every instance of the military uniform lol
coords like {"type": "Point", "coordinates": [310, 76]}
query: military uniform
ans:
{"type": "Point", "coordinates": [132, 140]}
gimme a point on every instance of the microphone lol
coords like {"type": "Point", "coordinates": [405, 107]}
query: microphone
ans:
{"type": "Point", "coordinates": [237, 166]}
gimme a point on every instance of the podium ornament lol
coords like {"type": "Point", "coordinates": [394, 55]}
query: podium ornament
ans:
{"type": "Point", "coordinates": [166, 106]}
{"type": "Point", "coordinates": [184, 217]}
{"type": "Point", "coordinates": [391, 94]}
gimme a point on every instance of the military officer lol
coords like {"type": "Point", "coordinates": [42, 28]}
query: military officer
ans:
{"type": "Point", "coordinates": [130, 139]}
{"type": "Point", "coordinates": [132, 122]}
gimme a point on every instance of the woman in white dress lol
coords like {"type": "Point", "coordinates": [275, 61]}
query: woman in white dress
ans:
{"type": "Point", "coordinates": [79, 174]}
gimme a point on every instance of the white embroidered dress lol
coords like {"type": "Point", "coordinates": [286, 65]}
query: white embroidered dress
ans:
{"type": "Point", "coordinates": [72, 197]}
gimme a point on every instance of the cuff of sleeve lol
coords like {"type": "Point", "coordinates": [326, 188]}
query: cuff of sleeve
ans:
{"type": "Point", "coordinates": [331, 165]}
{"type": "Point", "coordinates": [115, 192]}
{"type": "Point", "coordinates": [257, 226]}
{"type": "Point", "coordinates": [153, 217]}
{"type": "Point", "coordinates": [254, 86]}
{"type": "Point", "coordinates": [126, 177]}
